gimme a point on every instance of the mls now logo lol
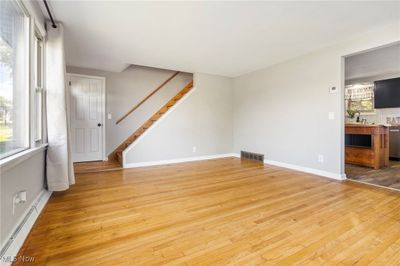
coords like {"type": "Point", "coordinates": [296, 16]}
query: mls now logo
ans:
{"type": "Point", "coordinates": [10, 259]}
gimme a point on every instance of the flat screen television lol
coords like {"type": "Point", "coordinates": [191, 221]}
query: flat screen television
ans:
{"type": "Point", "coordinates": [387, 93]}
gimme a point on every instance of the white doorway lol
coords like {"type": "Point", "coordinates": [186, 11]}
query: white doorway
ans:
{"type": "Point", "coordinates": [372, 116]}
{"type": "Point", "coordinates": [87, 117]}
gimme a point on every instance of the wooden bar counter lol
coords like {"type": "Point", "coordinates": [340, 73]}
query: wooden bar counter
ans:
{"type": "Point", "coordinates": [367, 145]}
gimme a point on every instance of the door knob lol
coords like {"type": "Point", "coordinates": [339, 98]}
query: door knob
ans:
{"type": "Point", "coordinates": [99, 124]}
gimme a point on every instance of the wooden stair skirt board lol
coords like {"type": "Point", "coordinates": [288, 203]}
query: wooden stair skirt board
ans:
{"type": "Point", "coordinates": [117, 153]}
{"type": "Point", "coordinates": [147, 97]}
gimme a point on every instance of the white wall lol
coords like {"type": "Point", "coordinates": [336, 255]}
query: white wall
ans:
{"type": "Point", "coordinates": [282, 111]}
{"type": "Point", "coordinates": [127, 88]}
{"type": "Point", "coordinates": [29, 176]}
{"type": "Point", "coordinates": [371, 79]}
{"type": "Point", "coordinates": [382, 61]}
{"type": "Point", "coordinates": [204, 120]}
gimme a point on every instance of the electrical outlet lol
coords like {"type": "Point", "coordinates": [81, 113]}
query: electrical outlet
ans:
{"type": "Point", "coordinates": [109, 116]}
{"type": "Point", "coordinates": [320, 158]}
{"type": "Point", "coordinates": [19, 197]}
{"type": "Point", "coordinates": [331, 116]}
{"type": "Point", "coordinates": [194, 149]}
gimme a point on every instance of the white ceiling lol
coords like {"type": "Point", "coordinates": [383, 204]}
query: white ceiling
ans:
{"type": "Point", "coordinates": [223, 38]}
{"type": "Point", "coordinates": [381, 61]}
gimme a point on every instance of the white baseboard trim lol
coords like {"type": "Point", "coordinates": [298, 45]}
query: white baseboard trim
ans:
{"type": "Point", "coordinates": [11, 247]}
{"type": "Point", "coordinates": [237, 155]}
{"type": "Point", "coordinates": [302, 169]}
{"type": "Point", "coordinates": [154, 125]}
{"type": "Point", "coordinates": [306, 170]}
{"type": "Point", "coordinates": [179, 160]}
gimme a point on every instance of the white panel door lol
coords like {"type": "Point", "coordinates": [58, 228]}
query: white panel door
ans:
{"type": "Point", "coordinates": [87, 118]}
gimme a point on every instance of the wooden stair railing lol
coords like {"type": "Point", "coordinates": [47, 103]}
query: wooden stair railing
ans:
{"type": "Point", "coordinates": [117, 153]}
{"type": "Point", "coordinates": [147, 97]}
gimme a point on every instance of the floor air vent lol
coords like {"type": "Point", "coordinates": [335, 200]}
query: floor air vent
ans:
{"type": "Point", "coordinates": [252, 156]}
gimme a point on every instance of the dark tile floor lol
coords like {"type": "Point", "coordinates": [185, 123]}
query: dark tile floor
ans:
{"type": "Point", "coordinates": [387, 177]}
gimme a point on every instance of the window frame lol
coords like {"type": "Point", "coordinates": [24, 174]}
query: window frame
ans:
{"type": "Point", "coordinates": [27, 69]}
{"type": "Point", "coordinates": [35, 89]}
{"type": "Point", "coordinates": [370, 99]}
{"type": "Point", "coordinates": [33, 28]}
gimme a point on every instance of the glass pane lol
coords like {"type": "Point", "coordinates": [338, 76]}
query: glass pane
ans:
{"type": "Point", "coordinates": [38, 116]}
{"type": "Point", "coordinates": [38, 64]}
{"type": "Point", "coordinates": [360, 98]}
{"type": "Point", "coordinates": [13, 79]}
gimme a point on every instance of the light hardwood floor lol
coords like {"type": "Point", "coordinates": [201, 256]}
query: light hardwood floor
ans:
{"type": "Point", "coordinates": [219, 212]}
{"type": "Point", "coordinates": [98, 166]}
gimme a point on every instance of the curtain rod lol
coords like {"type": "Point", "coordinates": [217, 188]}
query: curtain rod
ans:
{"type": "Point", "coordinates": [51, 17]}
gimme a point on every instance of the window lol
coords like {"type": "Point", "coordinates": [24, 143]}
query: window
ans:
{"type": "Point", "coordinates": [360, 98]}
{"type": "Point", "coordinates": [14, 79]}
{"type": "Point", "coordinates": [38, 88]}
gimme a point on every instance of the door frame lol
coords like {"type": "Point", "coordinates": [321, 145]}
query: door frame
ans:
{"type": "Point", "coordinates": [343, 106]}
{"type": "Point", "coordinates": [103, 106]}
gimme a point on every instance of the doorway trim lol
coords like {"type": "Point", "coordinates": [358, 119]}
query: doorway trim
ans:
{"type": "Point", "coordinates": [343, 106]}
{"type": "Point", "coordinates": [103, 106]}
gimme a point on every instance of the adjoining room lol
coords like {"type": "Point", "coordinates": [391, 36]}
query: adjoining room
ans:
{"type": "Point", "coordinates": [372, 102]}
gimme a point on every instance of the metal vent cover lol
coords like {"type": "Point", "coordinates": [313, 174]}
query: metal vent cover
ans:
{"type": "Point", "coordinates": [252, 156]}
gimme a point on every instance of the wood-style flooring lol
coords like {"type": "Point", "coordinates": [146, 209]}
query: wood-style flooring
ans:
{"type": "Point", "coordinates": [97, 166]}
{"type": "Point", "coordinates": [386, 177]}
{"type": "Point", "coordinates": [216, 212]}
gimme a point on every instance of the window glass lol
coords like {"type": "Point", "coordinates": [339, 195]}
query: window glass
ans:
{"type": "Point", "coordinates": [38, 89]}
{"type": "Point", "coordinates": [14, 85]}
{"type": "Point", "coordinates": [360, 98]}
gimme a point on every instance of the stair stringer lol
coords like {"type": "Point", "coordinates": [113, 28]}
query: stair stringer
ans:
{"type": "Point", "coordinates": [154, 125]}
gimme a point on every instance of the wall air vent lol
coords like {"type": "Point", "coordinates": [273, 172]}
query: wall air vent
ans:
{"type": "Point", "coordinates": [252, 156]}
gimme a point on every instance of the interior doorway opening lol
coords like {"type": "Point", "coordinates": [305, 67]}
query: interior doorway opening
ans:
{"type": "Point", "coordinates": [372, 123]}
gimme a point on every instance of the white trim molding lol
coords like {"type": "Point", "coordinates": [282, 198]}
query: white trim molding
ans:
{"type": "Point", "coordinates": [226, 155]}
{"type": "Point", "coordinates": [307, 170]}
{"type": "Point", "coordinates": [302, 169]}
{"type": "Point", "coordinates": [13, 244]}
{"type": "Point", "coordinates": [125, 152]}
{"type": "Point", "coordinates": [179, 160]}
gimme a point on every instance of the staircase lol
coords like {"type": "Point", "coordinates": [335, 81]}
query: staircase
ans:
{"type": "Point", "coordinates": [116, 155]}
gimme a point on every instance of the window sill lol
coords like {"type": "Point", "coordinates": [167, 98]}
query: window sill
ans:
{"type": "Point", "coordinates": [13, 160]}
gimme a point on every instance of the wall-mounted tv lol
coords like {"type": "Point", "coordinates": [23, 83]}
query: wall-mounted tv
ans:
{"type": "Point", "coordinates": [387, 93]}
